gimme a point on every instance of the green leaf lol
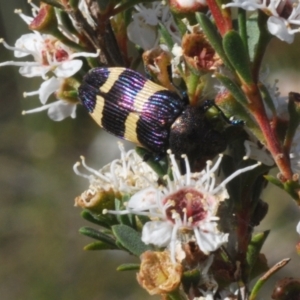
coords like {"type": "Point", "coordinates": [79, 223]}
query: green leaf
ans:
{"type": "Point", "coordinates": [253, 35]}
{"type": "Point", "coordinates": [130, 239]}
{"type": "Point", "coordinates": [103, 220]}
{"type": "Point", "coordinates": [99, 246]}
{"type": "Point", "coordinates": [214, 38]}
{"type": "Point", "coordinates": [267, 98]}
{"type": "Point", "coordinates": [128, 267]}
{"type": "Point", "coordinates": [233, 88]}
{"type": "Point", "coordinates": [125, 219]}
{"type": "Point", "coordinates": [166, 36]}
{"type": "Point", "coordinates": [97, 235]}
{"type": "Point", "coordinates": [274, 181]}
{"type": "Point", "coordinates": [238, 55]}
{"type": "Point", "coordinates": [254, 248]}
{"type": "Point", "coordinates": [290, 186]}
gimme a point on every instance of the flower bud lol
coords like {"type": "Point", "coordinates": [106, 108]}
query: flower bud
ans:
{"type": "Point", "coordinates": [287, 289]}
{"type": "Point", "coordinates": [97, 200]}
{"type": "Point", "coordinates": [184, 6]}
{"type": "Point", "coordinates": [45, 21]}
{"type": "Point", "coordinates": [157, 61]}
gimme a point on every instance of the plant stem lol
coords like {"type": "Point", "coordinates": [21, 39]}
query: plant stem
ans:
{"type": "Point", "coordinates": [255, 105]}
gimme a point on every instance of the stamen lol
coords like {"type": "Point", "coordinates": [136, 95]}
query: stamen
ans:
{"type": "Point", "coordinates": [19, 63]}
{"type": "Point", "coordinates": [84, 54]}
{"type": "Point", "coordinates": [233, 175]}
{"type": "Point", "coordinates": [26, 94]}
{"type": "Point", "coordinates": [25, 18]}
{"type": "Point", "coordinates": [188, 170]}
{"type": "Point", "coordinates": [173, 242]}
{"type": "Point", "coordinates": [33, 5]}
{"type": "Point", "coordinates": [248, 150]}
{"type": "Point", "coordinates": [38, 109]}
{"type": "Point", "coordinates": [76, 171]}
{"type": "Point", "coordinates": [212, 183]}
{"type": "Point", "coordinates": [115, 212]}
{"type": "Point", "coordinates": [93, 171]}
{"type": "Point", "coordinates": [175, 168]}
{"type": "Point", "coordinates": [123, 158]}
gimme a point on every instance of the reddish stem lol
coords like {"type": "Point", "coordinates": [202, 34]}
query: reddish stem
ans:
{"type": "Point", "coordinates": [272, 142]}
{"type": "Point", "coordinates": [221, 16]}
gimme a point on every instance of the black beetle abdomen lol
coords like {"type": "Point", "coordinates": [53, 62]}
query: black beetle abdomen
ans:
{"type": "Point", "coordinates": [192, 134]}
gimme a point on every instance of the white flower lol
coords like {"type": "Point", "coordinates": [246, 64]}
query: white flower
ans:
{"type": "Point", "coordinates": [48, 53]}
{"type": "Point", "coordinates": [143, 30]}
{"type": "Point", "coordinates": [280, 24]}
{"type": "Point", "coordinates": [58, 110]}
{"type": "Point", "coordinates": [184, 209]}
{"type": "Point", "coordinates": [127, 175]}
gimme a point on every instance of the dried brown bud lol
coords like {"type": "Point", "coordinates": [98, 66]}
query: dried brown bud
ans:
{"type": "Point", "coordinates": [157, 62]}
{"type": "Point", "coordinates": [158, 274]}
{"type": "Point", "coordinates": [198, 53]}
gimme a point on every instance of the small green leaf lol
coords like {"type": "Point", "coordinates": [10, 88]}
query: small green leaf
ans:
{"type": "Point", "coordinates": [290, 186]}
{"type": "Point", "coordinates": [130, 239]}
{"type": "Point", "coordinates": [99, 246]}
{"type": "Point", "coordinates": [274, 181]}
{"type": "Point", "coordinates": [66, 21]}
{"type": "Point", "coordinates": [128, 267]}
{"type": "Point", "coordinates": [253, 35]}
{"type": "Point", "coordinates": [125, 219]}
{"type": "Point", "coordinates": [254, 248]}
{"type": "Point", "coordinates": [214, 38]}
{"type": "Point", "coordinates": [104, 221]}
{"type": "Point", "coordinates": [267, 98]}
{"type": "Point", "coordinates": [166, 36]}
{"type": "Point", "coordinates": [238, 55]}
{"type": "Point", "coordinates": [233, 88]}
{"type": "Point", "coordinates": [97, 235]}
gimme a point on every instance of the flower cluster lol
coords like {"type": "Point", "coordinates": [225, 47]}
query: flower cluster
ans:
{"type": "Point", "coordinates": [49, 55]}
{"type": "Point", "coordinates": [284, 16]}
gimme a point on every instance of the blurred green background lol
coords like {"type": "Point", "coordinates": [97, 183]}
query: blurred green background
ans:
{"type": "Point", "coordinates": [41, 254]}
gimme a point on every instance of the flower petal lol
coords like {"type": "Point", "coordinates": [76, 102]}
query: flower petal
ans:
{"type": "Point", "coordinates": [277, 27]}
{"type": "Point", "coordinates": [60, 110]}
{"type": "Point", "coordinates": [157, 233]}
{"type": "Point", "coordinates": [68, 68]}
{"type": "Point", "coordinates": [47, 88]}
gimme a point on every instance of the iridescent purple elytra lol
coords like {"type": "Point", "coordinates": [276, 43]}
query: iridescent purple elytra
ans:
{"type": "Point", "coordinates": [134, 108]}
{"type": "Point", "coordinates": [131, 107]}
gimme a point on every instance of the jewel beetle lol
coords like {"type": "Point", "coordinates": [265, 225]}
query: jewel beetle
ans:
{"type": "Point", "coordinates": [134, 108]}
